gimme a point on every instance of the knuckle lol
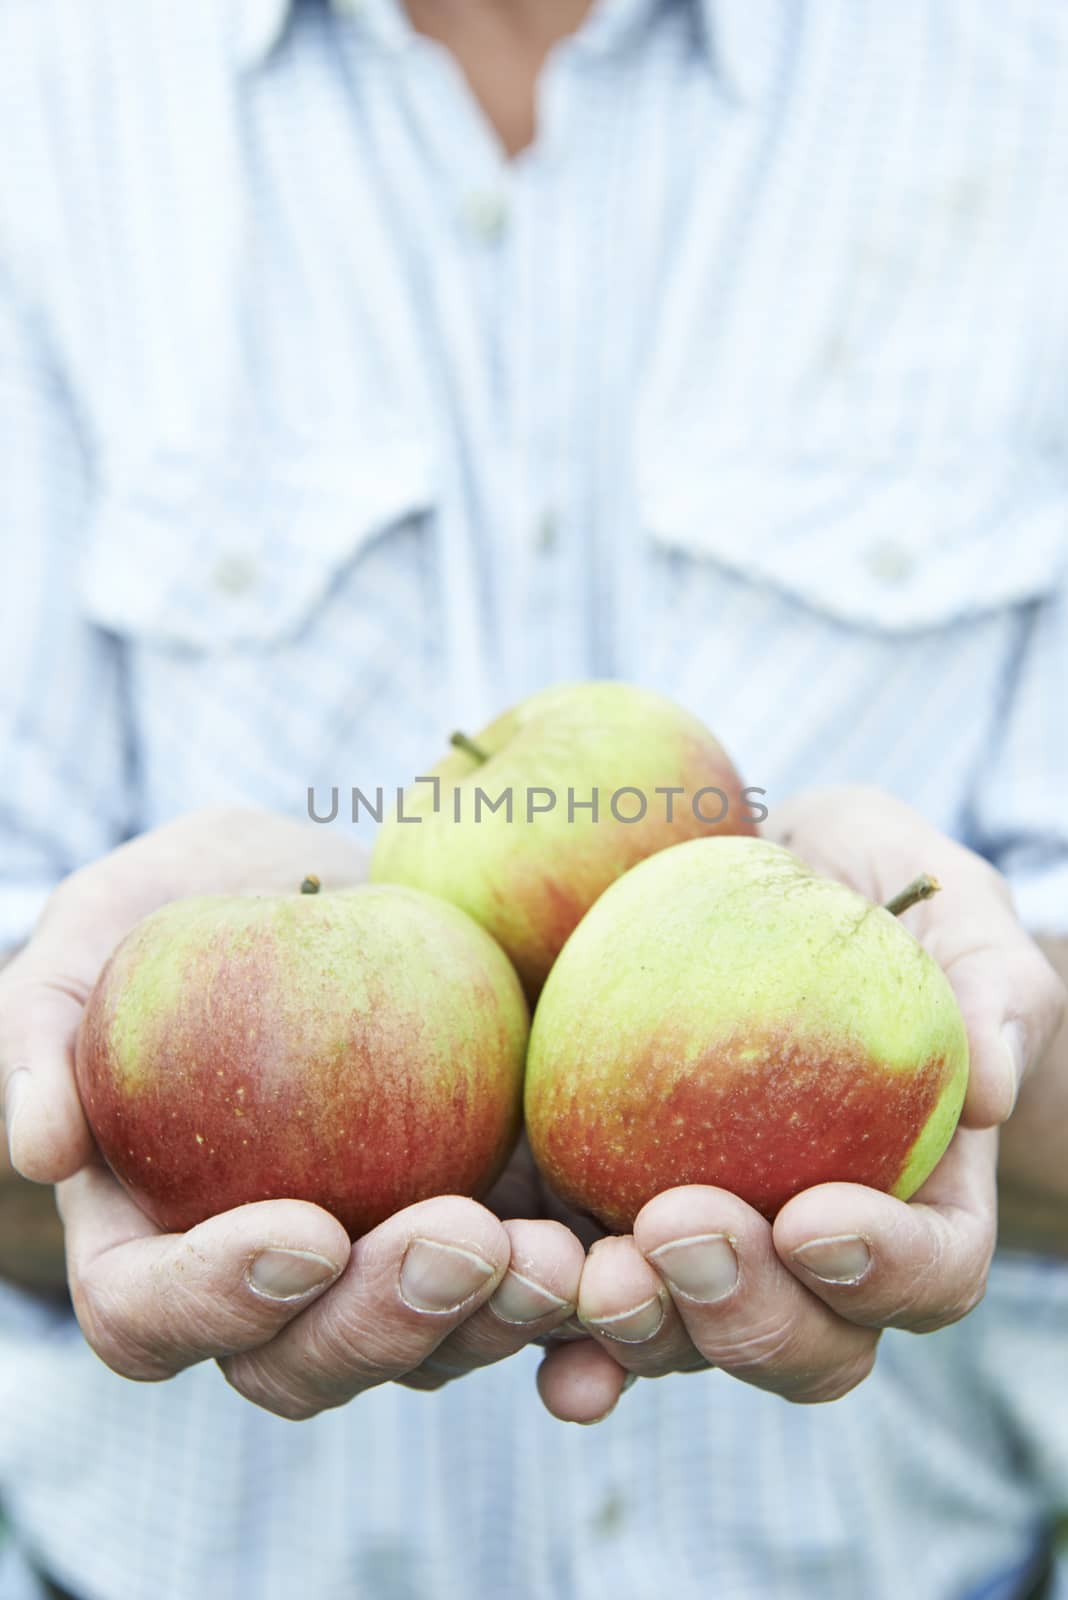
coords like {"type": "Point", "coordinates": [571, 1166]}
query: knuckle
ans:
{"type": "Point", "coordinates": [913, 1296]}
{"type": "Point", "coordinates": [128, 1349]}
{"type": "Point", "coordinates": [908, 1309]}
{"type": "Point", "coordinates": [325, 1369]}
{"type": "Point", "coordinates": [945, 1289]}
{"type": "Point", "coordinates": [362, 1346]}
{"type": "Point", "coordinates": [262, 1384]}
{"type": "Point", "coordinates": [833, 1383]}
{"type": "Point", "coordinates": [960, 1304]}
{"type": "Point", "coordinates": [762, 1347]}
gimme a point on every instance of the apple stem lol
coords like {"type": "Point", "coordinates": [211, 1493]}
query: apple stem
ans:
{"type": "Point", "coordinates": [460, 741]}
{"type": "Point", "coordinates": [921, 888]}
{"type": "Point", "coordinates": [311, 884]}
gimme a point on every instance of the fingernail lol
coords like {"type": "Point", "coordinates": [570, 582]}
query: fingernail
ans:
{"type": "Point", "coordinates": [440, 1277]}
{"type": "Point", "coordinates": [633, 1326]}
{"type": "Point", "coordinates": [14, 1093]}
{"type": "Point", "coordinates": [844, 1259]}
{"type": "Point", "coordinates": [519, 1299]}
{"type": "Point", "coordinates": [288, 1274]}
{"type": "Point", "coordinates": [18, 1093]}
{"type": "Point", "coordinates": [703, 1267]}
{"type": "Point", "coordinates": [1012, 1038]}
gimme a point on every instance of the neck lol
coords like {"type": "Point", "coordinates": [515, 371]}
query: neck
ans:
{"type": "Point", "coordinates": [500, 46]}
{"type": "Point", "coordinates": [542, 19]}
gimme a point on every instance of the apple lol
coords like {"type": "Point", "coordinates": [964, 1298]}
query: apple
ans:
{"type": "Point", "coordinates": [724, 1015]}
{"type": "Point", "coordinates": [529, 875]}
{"type": "Point", "coordinates": [360, 1049]}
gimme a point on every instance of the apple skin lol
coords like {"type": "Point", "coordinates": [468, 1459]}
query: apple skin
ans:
{"type": "Point", "coordinates": [360, 1049]}
{"type": "Point", "coordinates": [723, 1015]}
{"type": "Point", "coordinates": [530, 883]}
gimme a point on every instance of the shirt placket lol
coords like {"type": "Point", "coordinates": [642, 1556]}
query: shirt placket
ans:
{"type": "Point", "coordinates": [457, 196]}
{"type": "Point", "coordinates": [555, 327]}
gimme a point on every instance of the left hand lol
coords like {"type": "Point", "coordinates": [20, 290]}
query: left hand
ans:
{"type": "Point", "coordinates": [797, 1306]}
{"type": "Point", "coordinates": [297, 1319]}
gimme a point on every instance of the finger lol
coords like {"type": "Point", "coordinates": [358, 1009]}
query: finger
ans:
{"type": "Point", "coordinates": [47, 1134]}
{"type": "Point", "coordinates": [1010, 997]}
{"type": "Point", "coordinates": [625, 1305]}
{"type": "Point", "coordinates": [743, 1310]}
{"type": "Point", "coordinates": [42, 996]}
{"type": "Point", "coordinates": [538, 1293]}
{"type": "Point", "coordinates": [881, 1262]}
{"type": "Point", "coordinates": [581, 1382]}
{"type": "Point", "coordinates": [408, 1285]}
{"type": "Point", "coordinates": [151, 1303]}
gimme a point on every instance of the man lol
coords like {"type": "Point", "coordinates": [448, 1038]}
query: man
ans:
{"type": "Point", "coordinates": [365, 368]}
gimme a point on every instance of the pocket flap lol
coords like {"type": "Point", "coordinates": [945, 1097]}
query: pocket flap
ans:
{"type": "Point", "coordinates": [189, 549]}
{"type": "Point", "coordinates": [886, 544]}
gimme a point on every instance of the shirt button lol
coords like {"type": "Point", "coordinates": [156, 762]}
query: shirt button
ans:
{"type": "Point", "coordinates": [485, 213]}
{"type": "Point", "coordinates": [548, 532]}
{"type": "Point", "coordinates": [890, 562]}
{"type": "Point", "coordinates": [234, 575]}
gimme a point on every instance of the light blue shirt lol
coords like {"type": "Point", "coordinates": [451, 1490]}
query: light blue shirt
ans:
{"type": "Point", "coordinates": [324, 429]}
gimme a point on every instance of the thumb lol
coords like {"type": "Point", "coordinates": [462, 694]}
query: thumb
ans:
{"type": "Point", "coordinates": [151, 1303]}
{"type": "Point", "coordinates": [48, 1136]}
{"type": "Point", "coordinates": [1012, 1003]}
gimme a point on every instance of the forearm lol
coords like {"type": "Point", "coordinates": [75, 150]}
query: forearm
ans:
{"type": "Point", "coordinates": [1032, 1167]}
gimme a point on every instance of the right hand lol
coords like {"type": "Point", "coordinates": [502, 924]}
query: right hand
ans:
{"type": "Point", "coordinates": [298, 1319]}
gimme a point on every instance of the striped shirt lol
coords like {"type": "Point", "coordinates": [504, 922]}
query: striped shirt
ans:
{"type": "Point", "coordinates": [323, 429]}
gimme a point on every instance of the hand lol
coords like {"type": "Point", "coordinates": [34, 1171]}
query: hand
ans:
{"type": "Point", "coordinates": [797, 1307]}
{"type": "Point", "coordinates": [298, 1320]}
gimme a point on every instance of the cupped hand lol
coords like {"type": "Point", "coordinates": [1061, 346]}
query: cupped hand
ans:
{"type": "Point", "coordinates": [797, 1306]}
{"type": "Point", "coordinates": [298, 1319]}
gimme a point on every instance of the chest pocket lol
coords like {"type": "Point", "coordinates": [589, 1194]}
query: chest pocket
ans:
{"type": "Point", "coordinates": [883, 542]}
{"type": "Point", "coordinates": [279, 617]}
{"type": "Point", "coordinates": [193, 551]}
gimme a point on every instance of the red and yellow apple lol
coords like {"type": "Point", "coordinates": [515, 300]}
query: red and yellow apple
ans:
{"type": "Point", "coordinates": [723, 1015]}
{"type": "Point", "coordinates": [528, 873]}
{"type": "Point", "coordinates": [360, 1049]}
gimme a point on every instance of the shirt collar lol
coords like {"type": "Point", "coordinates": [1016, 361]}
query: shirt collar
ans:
{"type": "Point", "coordinates": [745, 39]}
{"type": "Point", "coordinates": [740, 35]}
{"type": "Point", "coordinates": [259, 26]}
